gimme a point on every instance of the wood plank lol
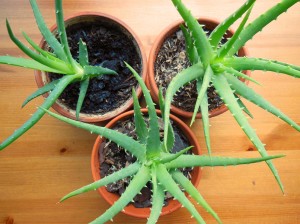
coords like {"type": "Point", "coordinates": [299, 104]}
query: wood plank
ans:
{"type": "Point", "coordinates": [54, 158]}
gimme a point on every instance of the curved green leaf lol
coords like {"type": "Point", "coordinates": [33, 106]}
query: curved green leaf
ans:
{"type": "Point", "coordinates": [223, 51]}
{"type": "Point", "coordinates": [39, 58]}
{"type": "Point", "coordinates": [258, 100]}
{"type": "Point", "coordinates": [170, 137]}
{"type": "Point", "coordinates": [46, 54]}
{"type": "Point", "coordinates": [134, 147]}
{"type": "Point", "coordinates": [242, 106]}
{"type": "Point", "coordinates": [191, 73]}
{"type": "Point", "coordinates": [49, 37]}
{"type": "Point", "coordinates": [62, 32]}
{"type": "Point", "coordinates": [118, 175]}
{"type": "Point", "coordinates": [189, 46]}
{"type": "Point", "coordinates": [220, 68]}
{"type": "Point", "coordinates": [243, 63]}
{"type": "Point", "coordinates": [153, 140]}
{"type": "Point", "coordinates": [225, 92]}
{"type": "Point", "coordinates": [139, 122]}
{"type": "Point", "coordinates": [26, 63]}
{"type": "Point", "coordinates": [169, 184]}
{"type": "Point", "coordinates": [205, 122]}
{"type": "Point", "coordinates": [45, 89]}
{"type": "Point", "coordinates": [202, 86]}
{"type": "Point", "coordinates": [189, 188]}
{"type": "Point", "coordinates": [259, 23]}
{"type": "Point", "coordinates": [158, 198]}
{"type": "Point", "coordinates": [202, 161]}
{"type": "Point", "coordinates": [202, 44]}
{"type": "Point", "coordinates": [83, 54]}
{"type": "Point", "coordinates": [49, 101]}
{"type": "Point", "coordinates": [84, 84]}
{"type": "Point", "coordinates": [167, 157]}
{"type": "Point", "coordinates": [135, 186]}
{"type": "Point", "coordinates": [220, 30]}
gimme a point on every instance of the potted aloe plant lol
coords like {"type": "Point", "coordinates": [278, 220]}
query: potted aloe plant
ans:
{"type": "Point", "coordinates": [64, 69]}
{"type": "Point", "coordinates": [216, 64]}
{"type": "Point", "coordinates": [154, 163]}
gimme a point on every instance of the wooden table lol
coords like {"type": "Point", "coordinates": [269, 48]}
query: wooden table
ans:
{"type": "Point", "coordinates": [53, 158]}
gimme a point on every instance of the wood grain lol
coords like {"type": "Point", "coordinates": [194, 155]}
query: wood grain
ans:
{"type": "Point", "coordinates": [53, 158]}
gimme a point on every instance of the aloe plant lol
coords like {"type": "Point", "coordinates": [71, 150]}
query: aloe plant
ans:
{"type": "Point", "coordinates": [154, 163]}
{"type": "Point", "coordinates": [214, 63]}
{"type": "Point", "coordinates": [60, 61]}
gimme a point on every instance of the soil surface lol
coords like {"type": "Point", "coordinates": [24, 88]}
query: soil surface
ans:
{"type": "Point", "coordinates": [114, 158]}
{"type": "Point", "coordinates": [171, 60]}
{"type": "Point", "coordinates": [108, 47]}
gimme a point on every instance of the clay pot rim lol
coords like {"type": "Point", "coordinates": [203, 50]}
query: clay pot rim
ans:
{"type": "Point", "coordinates": [131, 210]}
{"type": "Point", "coordinates": [152, 58]}
{"type": "Point", "coordinates": [93, 118]}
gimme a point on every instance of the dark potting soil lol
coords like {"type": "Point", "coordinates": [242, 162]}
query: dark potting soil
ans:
{"type": "Point", "coordinates": [113, 158]}
{"type": "Point", "coordinates": [108, 47]}
{"type": "Point", "coordinates": [172, 59]}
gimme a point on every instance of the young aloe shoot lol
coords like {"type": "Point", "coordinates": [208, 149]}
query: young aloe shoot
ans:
{"type": "Point", "coordinates": [154, 163]}
{"type": "Point", "coordinates": [60, 61]}
{"type": "Point", "coordinates": [214, 63]}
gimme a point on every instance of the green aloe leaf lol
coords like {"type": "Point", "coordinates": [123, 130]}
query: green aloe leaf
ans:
{"type": "Point", "coordinates": [153, 140]}
{"type": "Point", "coordinates": [202, 44]}
{"type": "Point", "coordinates": [135, 186]}
{"type": "Point", "coordinates": [259, 23]}
{"type": "Point", "coordinates": [220, 68]}
{"type": "Point", "coordinates": [194, 72]}
{"type": "Point", "coordinates": [165, 158]}
{"type": "Point", "coordinates": [84, 84]}
{"type": "Point", "coordinates": [202, 86]}
{"type": "Point", "coordinates": [189, 188]}
{"type": "Point", "coordinates": [220, 30]}
{"type": "Point", "coordinates": [158, 198]}
{"type": "Point", "coordinates": [62, 32]}
{"type": "Point", "coordinates": [244, 63]}
{"type": "Point", "coordinates": [118, 175]}
{"type": "Point", "coordinates": [170, 137]}
{"type": "Point", "coordinates": [139, 122]}
{"type": "Point", "coordinates": [95, 71]}
{"type": "Point", "coordinates": [169, 184]}
{"type": "Point", "coordinates": [39, 58]}
{"type": "Point", "coordinates": [189, 46]}
{"type": "Point", "coordinates": [242, 106]}
{"type": "Point", "coordinates": [49, 37]}
{"type": "Point", "coordinates": [205, 122]}
{"type": "Point", "coordinates": [65, 81]}
{"type": "Point", "coordinates": [134, 147]}
{"type": "Point", "coordinates": [83, 54]}
{"type": "Point", "coordinates": [26, 63]}
{"type": "Point", "coordinates": [223, 51]}
{"type": "Point", "coordinates": [225, 92]}
{"type": "Point", "coordinates": [249, 94]}
{"type": "Point", "coordinates": [45, 89]}
{"type": "Point", "coordinates": [46, 54]}
{"type": "Point", "coordinates": [202, 161]}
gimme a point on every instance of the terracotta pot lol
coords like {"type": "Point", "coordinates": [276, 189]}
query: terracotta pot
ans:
{"type": "Point", "coordinates": [209, 24]}
{"type": "Point", "coordinates": [111, 197]}
{"type": "Point", "coordinates": [42, 77]}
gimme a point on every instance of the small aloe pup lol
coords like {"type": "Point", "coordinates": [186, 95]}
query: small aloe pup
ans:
{"type": "Point", "coordinates": [60, 61]}
{"type": "Point", "coordinates": [214, 63]}
{"type": "Point", "coordinates": [154, 163]}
